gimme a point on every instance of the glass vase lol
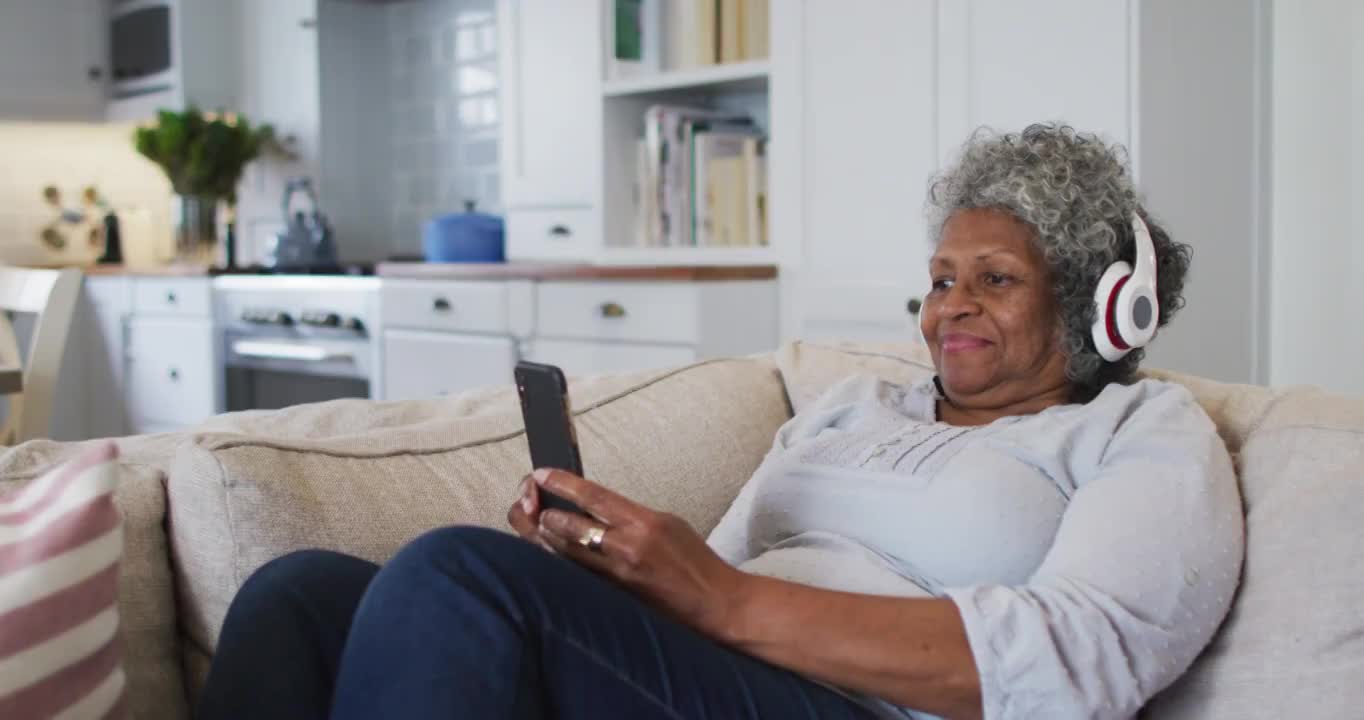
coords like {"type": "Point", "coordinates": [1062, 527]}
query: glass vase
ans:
{"type": "Point", "coordinates": [196, 228]}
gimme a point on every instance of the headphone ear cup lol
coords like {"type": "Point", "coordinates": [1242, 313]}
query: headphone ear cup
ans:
{"type": "Point", "coordinates": [1107, 339]}
{"type": "Point", "coordinates": [1137, 313]}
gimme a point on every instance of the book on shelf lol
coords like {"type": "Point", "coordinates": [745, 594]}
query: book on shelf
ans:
{"type": "Point", "coordinates": [635, 31]}
{"type": "Point", "coordinates": [699, 33]}
{"type": "Point", "coordinates": [700, 179]}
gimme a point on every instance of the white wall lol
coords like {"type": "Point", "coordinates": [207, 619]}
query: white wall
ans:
{"type": "Point", "coordinates": [1316, 328]}
{"type": "Point", "coordinates": [1198, 153]}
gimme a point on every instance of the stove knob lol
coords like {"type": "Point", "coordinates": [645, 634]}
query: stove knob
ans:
{"type": "Point", "coordinates": [318, 318]}
{"type": "Point", "coordinates": [355, 324]}
{"type": "Point", "coordinates": [252, 316]}
{"type": "Point", "coordinates": [281, 318]}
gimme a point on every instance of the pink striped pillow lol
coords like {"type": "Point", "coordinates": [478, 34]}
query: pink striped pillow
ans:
{"type": "Point", "coordinates": [60, 542]}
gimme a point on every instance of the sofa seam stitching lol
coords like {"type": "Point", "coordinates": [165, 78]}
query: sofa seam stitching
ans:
{"type": "Point", "coordinates": [233, 445]}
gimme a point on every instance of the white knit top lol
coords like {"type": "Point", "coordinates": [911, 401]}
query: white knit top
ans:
{"type": "Point", "coordinates": [1092, 549]}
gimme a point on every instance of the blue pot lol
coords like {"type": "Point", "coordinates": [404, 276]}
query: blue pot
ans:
{"type": "Point", "coordinates": [464, 237]}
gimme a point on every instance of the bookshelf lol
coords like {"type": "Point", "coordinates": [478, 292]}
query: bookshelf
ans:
{"type": "Point", "coordinates": [750, 76]}
{"type": "Point", "coordinates": [678, 74]}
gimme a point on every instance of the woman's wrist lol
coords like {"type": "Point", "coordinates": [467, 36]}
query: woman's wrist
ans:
{"type": "Point", "coordinates": [734, 621]}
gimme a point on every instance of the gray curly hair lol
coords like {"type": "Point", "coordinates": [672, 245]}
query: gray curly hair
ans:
{"type": "Point", "coordinates": [1077, 195]}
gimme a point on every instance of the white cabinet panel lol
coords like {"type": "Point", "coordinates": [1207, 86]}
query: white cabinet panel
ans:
{"type": "Point", "coordinates": [480, 307]}
{"type": "Point", "coordinates": [551, 76]}
{"type": "Point", "coordinates": [185, 297]}
{"type": "Point", "coordinates": [171, 374]}
{"type": "Point", "coordinates": [53, 59]}
{"type": "Point", "coordinates": [869, 148]}
{"type": "Point", "coordinates": [421, 364]}
{"type": "Point", "coordinates": [1008, 64]}
{"type": "Point", "coordinates": [588, 358]}
{"type": "Point", "coordinates": [659, 312]}
{"type": "Point", "coordinates": [553, 233]}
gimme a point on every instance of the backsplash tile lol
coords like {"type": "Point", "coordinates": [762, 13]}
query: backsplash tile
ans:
{"type": "Point", "coordinates": [444, 112]}
{"type": "Point", "coordinates": [71, 157]}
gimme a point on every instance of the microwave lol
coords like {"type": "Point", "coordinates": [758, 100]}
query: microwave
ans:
{"type": "Point", "coordinates": [143, 51]}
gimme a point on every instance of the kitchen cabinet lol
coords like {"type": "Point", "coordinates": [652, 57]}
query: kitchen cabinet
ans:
{"type": "Point", "coordinates": [871, 99]}
{"type": "Point", "coordinates": [865, 71]}
{"type": "Point", "coordinates": [148, 352]}
{"type": "Point", "coordinates": [444, 336]}
{"type": "Point", "coordinates": [422, 364]}
{"type": "Point", "coordinates": [53, 60]}
{"type": "Point", "coordinates": [549, 63]}
{"type": "Point", "coordinates": [171, 375]}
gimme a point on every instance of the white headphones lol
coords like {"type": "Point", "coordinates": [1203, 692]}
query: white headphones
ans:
{"type": "Point", "coordinates": [1126, 309]}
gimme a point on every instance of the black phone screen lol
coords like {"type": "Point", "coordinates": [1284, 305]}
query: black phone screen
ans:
{"type": "Point", "coordinates": [549, 426]}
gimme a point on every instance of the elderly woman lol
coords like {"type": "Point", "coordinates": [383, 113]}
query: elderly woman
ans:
{"type": "Point", "coordinates": [1034, 533]}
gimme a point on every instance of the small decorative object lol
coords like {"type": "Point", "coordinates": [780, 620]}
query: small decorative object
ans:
{"type": "Point", "coordinates": [203, 155]}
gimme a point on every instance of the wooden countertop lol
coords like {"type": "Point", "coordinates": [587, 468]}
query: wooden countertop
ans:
{"type": "Point", "coordinates": [569, 271]}
{"type": "Point", "coordinates": [149, 270]}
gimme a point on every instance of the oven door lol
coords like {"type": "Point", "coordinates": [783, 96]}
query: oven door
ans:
{"type": "Point", "coordinates": [268, 373]}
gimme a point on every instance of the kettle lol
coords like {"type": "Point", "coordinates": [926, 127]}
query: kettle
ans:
{"type": "Point", "coordinates": [307, 240]}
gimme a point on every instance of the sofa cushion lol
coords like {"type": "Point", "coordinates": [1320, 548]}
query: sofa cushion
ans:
{"type": "Point", "coordinates": [1293, 645]}
{"type": "Point", "coordinates": [808, 368]}
{"type": "Point", "coordinates": [146, 603]}
{"type": "Point", "coordinates": [681, 440]}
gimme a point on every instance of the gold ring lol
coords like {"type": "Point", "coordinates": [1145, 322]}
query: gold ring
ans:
{"type": "Point", "coordinates": [592, 538]}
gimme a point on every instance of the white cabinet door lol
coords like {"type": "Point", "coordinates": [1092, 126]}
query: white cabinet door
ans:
{"type": "Point", "coordinates": [53, 59]}
{"type": "Point", "coordinates": [550, 72]}
{"type": "Point", "coordinates": [865, 153]}
{"type": "Point", "coordinates": [280, 84]}
{"type": "Point", "coordinates": [172, 378]}
{"type": "Point", "coordinates": [420, 364]}
{"type": "Point", "coordinates": [595, 358]}
{"type": "Point", "coordinates": [1008, 64]}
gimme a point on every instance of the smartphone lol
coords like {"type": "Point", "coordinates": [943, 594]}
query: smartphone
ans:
{"type": "Point", "coordinates": [549, 426]}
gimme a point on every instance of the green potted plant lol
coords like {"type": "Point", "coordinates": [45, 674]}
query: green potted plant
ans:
{"type": "Point", "coordinates": [203, 155]}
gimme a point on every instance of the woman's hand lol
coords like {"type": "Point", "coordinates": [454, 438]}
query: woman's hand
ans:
{"type": "Point", "coordinates": [657, 555]}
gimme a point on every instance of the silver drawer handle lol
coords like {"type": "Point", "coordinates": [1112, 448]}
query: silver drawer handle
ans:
{"type": "Point", "coordinates": [560, 231]}
{"type": "Point", "coordinates": [288, 351]}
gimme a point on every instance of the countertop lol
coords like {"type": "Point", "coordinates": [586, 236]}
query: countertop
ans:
{"type": "Point", "coordinates": [570, 271]}
{"type": "Point", "coordinates": [149, 270]}
{"type": "Point", "coordinates": [485, 271]}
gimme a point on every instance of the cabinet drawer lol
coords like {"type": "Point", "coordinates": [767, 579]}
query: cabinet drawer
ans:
{"type": "Point", "coordinates": [553, 233]}
{"type": "Point", "coordinates": [481, 307]}
{"type": "Point", "coordinates": [578, 358]}
{"type": "Point", "coordinates": [171, 377]}
{"type": "Point", "coordinates": [425, 364]}
{"type": "Point", "coordinates": [648, 312]}
{"type": "Point", "coordinates": [189, 297]}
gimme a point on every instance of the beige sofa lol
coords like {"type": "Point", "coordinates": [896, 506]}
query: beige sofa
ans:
{"type": "Point", "coordinates": [204, 509]}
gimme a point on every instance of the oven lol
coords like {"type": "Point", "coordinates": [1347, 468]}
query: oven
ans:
{"type": "Point", "coordinates": [290, 340]}
{"type": "Point", "coordinates": [142, 47]}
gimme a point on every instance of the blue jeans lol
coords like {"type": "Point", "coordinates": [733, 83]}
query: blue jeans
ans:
{"type": "Point", "coordinates": [472, 623]}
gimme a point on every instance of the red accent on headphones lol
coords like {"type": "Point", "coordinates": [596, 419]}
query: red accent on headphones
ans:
{"type": "Point", "coordinates": [1109, 324]}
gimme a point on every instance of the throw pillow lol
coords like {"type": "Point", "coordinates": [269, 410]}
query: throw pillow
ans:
{"type": "Point", "coordinates": [61, 539]}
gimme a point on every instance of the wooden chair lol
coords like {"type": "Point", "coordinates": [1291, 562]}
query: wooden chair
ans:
{"type": "Point", "coordinates": [29, 385]}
